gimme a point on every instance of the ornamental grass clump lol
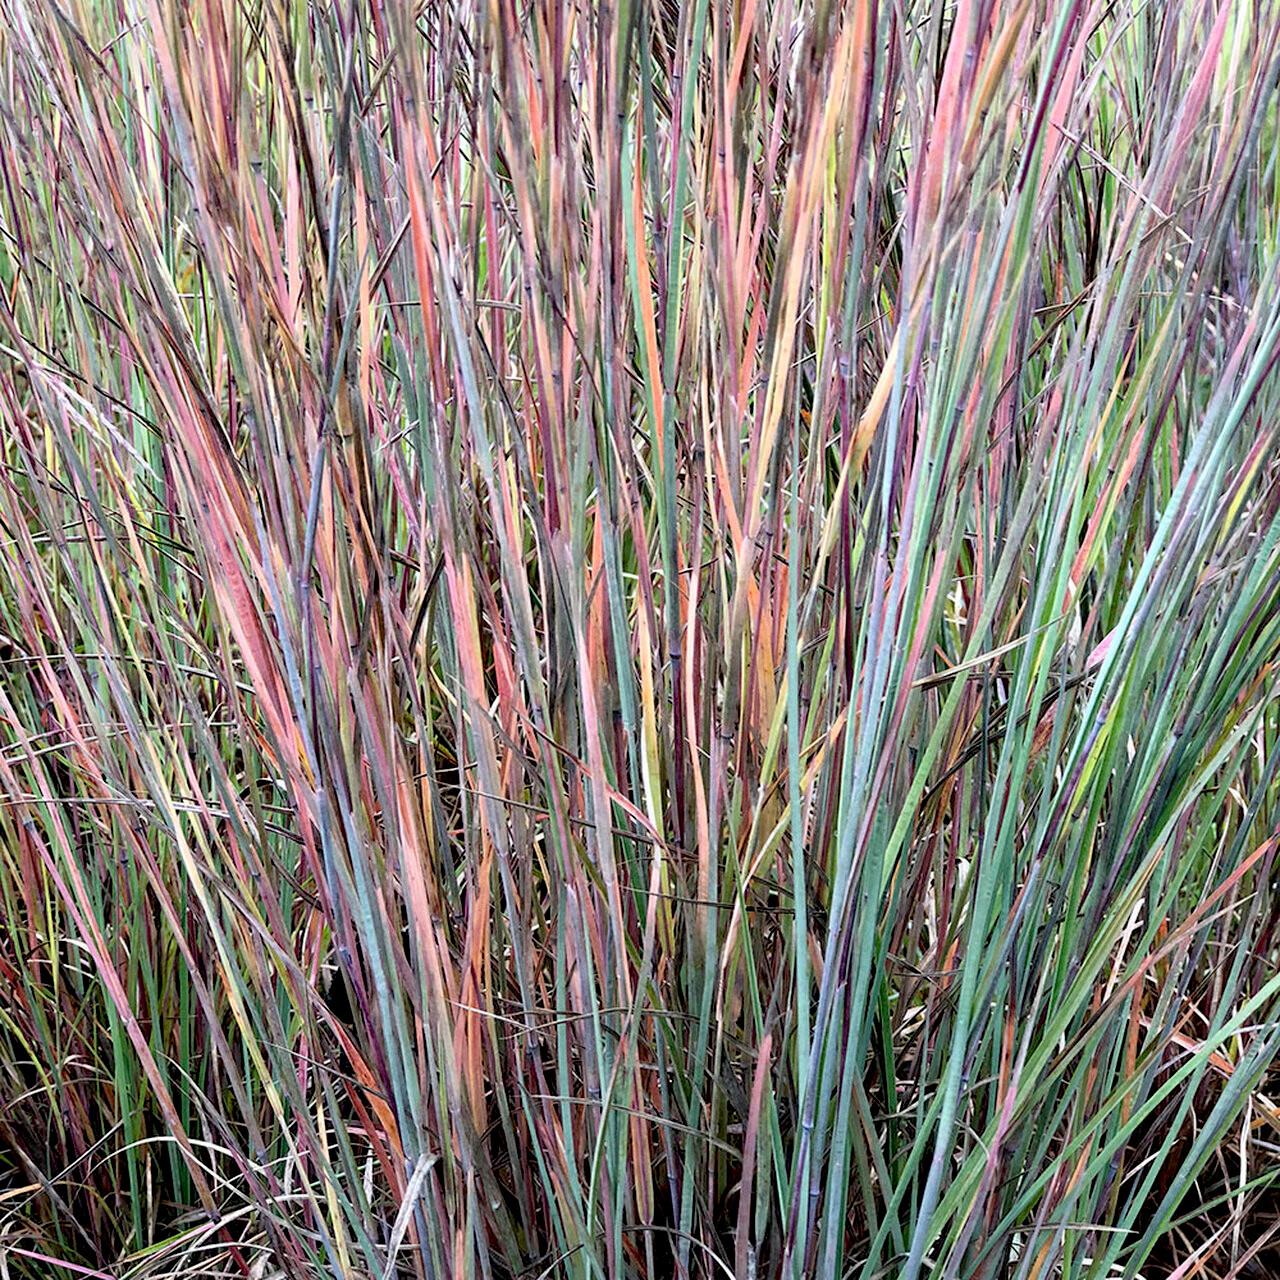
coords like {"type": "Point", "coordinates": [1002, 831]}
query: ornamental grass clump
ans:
{"type": "Point", "coordinates": [639, 640]}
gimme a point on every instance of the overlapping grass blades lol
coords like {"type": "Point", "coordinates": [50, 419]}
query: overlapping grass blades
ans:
{"type": "Point", "coordinates": [639, 640]}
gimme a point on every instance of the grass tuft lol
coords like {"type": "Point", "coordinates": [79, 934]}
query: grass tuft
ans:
{"type": "Point", "coordinates": [639, 639]}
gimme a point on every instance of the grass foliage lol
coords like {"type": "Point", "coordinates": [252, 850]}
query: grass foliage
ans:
{"type": "Point", "coordinates": [639, 639]}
